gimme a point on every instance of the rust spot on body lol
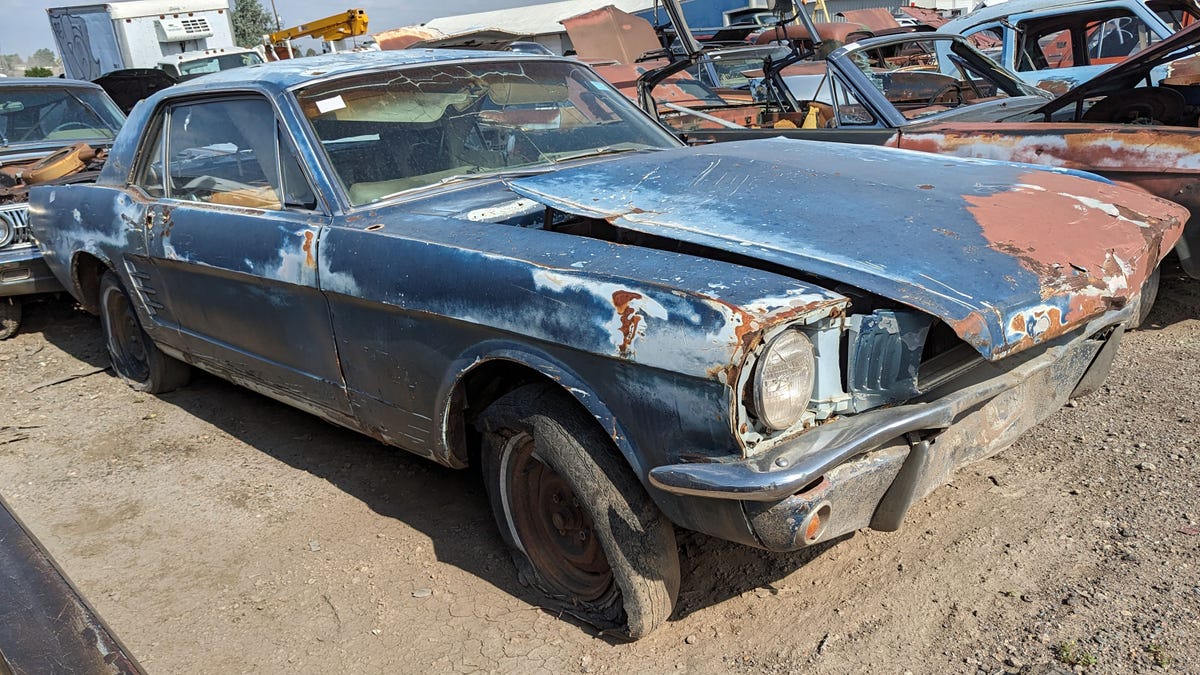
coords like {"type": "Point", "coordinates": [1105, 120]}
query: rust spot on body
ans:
{"type": "Point", "coordinates": [309, 260]}
{"type": "Point", "coordinates": [630, 319]}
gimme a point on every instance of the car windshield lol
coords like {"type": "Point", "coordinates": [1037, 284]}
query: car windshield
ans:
{"type": "Point", "coordinates": [728, 68]}
{"type": "Point", "coordinates": [44, 113]}
{"type": "Point", "coordinates": [190, 69]}
{"type": "Point", "coordinates": [923, 77]}
{"type": "Point", "coordinates": [398, 130]}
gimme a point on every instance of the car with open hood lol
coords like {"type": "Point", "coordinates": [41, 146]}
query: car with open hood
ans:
{"type": "Point", "coordinates": [498, 259]}
{"type": "Point", "coordinates": [936, 92]}
{"type": "Point", "coordinates": [51, 131]}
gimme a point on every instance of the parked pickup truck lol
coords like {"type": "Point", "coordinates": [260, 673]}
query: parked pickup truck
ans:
{"type": "Point", "coordinates": [498, 258]}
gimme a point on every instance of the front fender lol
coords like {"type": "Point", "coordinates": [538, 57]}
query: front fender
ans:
{"type": "Point", "coordinates": [545, 364]}
{"type": "Point", "coordinates": [635, 441]}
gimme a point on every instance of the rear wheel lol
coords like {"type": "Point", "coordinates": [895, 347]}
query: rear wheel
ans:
{"type": "Point", "coordinates": [134, 356]}
{"type": "Point", "coordinates": [582, 529]}
{"type": "Point", "coordinates": [10, 317]}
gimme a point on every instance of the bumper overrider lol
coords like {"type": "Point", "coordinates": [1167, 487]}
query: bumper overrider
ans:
{"type": "Point", "coordinates": [866, 470]}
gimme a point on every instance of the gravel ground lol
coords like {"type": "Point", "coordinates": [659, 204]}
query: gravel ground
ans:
{"type": "Point", "coordinates": [219, 531]}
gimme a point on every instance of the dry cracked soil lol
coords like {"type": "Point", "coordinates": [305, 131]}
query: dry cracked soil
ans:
{"type": "Point", "coordinates": [218, 531]}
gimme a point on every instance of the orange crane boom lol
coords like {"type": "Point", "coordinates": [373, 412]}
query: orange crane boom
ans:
{"type": "Point", "coordinates": [350, 23]}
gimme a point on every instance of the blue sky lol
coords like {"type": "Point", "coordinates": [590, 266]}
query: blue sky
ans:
{"type": "Point", "coordinates": [25, 29]}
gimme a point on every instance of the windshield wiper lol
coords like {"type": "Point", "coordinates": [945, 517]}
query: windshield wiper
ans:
{"type": "Point", "coordinates": [466, 177]}
{"type": "Point", "coordinates": [92, 110]}
{"type": "Point", "coordinates": [498, 173]}
{"type": "Point", "coordinates": [596, 152]}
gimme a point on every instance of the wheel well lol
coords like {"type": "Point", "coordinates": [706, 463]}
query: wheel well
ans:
{"type": "Point", "coordinates": [87, 269]}
{"type": "Point", "coordinates": [475, 392]}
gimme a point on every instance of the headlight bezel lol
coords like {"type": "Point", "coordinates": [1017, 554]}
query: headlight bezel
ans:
{"type": "Point", "coordinates": [7, 232]}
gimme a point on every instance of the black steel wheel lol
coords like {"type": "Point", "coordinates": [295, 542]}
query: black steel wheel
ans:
{"type": "Point", "coordinates": [134, 355]}
{"type": "Point", "coordinates": [582, 529]}
{"type": "Point", "coordinates": [10, 317]}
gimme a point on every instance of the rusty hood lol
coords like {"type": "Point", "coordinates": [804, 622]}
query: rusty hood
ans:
{"type": "Point", "coordinates": [1006, 254]}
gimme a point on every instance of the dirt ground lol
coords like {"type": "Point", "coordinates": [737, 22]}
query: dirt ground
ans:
{"type": "Point", "coordinates": [218, 531]}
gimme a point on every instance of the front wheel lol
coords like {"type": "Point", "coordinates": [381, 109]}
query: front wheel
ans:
{"type": "Point", "coordinates": [134, 355]}
{"type": "Point", "coordinates": [582, 529]}
{"type": "Point", "coordinates": [10, 317]}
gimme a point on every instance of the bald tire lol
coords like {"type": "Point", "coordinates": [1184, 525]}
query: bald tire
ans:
{"type": "Point", "coordinates": [637, 540]}
{"type": "Point", "coordinates": [135, 357]}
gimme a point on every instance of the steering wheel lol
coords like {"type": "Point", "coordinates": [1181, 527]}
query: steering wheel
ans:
{"type": "Point", "coordinates": [67, 126]}
{"type": "Point", "coordinates": [958, 94]}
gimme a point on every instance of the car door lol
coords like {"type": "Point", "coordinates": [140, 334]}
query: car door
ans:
{"type": "Point", "coordinates": [233, 235]}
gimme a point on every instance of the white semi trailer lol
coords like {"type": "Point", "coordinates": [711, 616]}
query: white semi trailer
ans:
{"type": "Point", "coordinates": [184, 38]}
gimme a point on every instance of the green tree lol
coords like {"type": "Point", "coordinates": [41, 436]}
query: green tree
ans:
{"type": "Point", "coordinates": [310, 52]}
{"type": "Point", "coordinates": [250, 23]}
{"type": "Point", "coordinates": [38, 71]}
{"type": "Point", "coordinates": [9, 61]}
{"type": "Point", "coordinates": [43, 57]}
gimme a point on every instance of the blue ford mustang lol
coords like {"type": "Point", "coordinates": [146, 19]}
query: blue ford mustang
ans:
{"type": "Point", "coordinates": [497, 258]}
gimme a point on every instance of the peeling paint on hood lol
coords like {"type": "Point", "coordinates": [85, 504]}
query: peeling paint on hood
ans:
{"type": "Point", "coordinates": [1006, 254]}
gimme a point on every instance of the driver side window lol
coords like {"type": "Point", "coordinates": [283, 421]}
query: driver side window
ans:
{"type": "Point", "coordinates": [223, 152]}
{"type": "Point", "coordinates": [230, 151]}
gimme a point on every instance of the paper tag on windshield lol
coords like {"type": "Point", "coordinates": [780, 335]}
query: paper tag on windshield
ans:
{"type": "Point", "coordinates": [330, 104]}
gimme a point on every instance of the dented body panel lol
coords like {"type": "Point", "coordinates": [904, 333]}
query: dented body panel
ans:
{"type": "Point", "coordinates": [1001, 296]}
{"type": "Point", "coordinates": [644, 285]}
{"type": "Point", "coordinates": [1161, 160]}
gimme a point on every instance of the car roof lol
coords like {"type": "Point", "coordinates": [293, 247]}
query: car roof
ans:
{"type": "Point", "coordinates": [1009, 8]}
{"type": "Point", "coordinates": [284, 75]}
{"type": "Point", "coordinates": [49, 82]}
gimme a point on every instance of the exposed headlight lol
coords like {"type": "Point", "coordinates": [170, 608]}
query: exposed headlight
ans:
{"type": "Point", "coordinates": [6, 232]}
{"type": "Point", "coordinates": [783, 380]}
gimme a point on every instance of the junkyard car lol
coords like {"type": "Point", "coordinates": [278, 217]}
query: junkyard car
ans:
{"type": "Point", "coordinates": [1060, 44]}
{"type": "Point", "coordinates": [50, 131]}
{"type": "Point", "coordinates": [496, 256]}
{"type": "Point", "coordinates": [936, 93]}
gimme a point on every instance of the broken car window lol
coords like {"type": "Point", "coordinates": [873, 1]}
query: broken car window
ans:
{"type": "Point", "coordinates": [389, 132]}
